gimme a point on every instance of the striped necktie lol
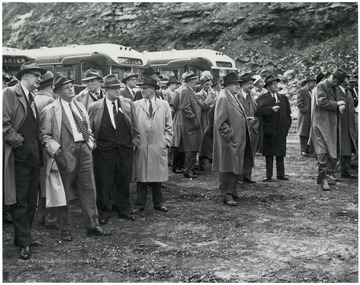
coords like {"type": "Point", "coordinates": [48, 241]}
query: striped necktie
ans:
{"type": "Point", "coordinates": [80, 125]}
{"type": "Point", "coordinates": [32, 105]}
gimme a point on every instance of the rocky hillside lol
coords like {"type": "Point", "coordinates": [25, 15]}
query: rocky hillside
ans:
{"type": "Point", "coordinates": [306, 37]}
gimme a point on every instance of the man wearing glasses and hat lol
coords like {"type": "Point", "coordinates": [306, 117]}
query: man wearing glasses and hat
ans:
{"type": "Point", "coordinates": [325, 115]}
{"type": "Point", "coordinates": [303, 102]}
{"type": "Point", "coordinates": [172, 84]}
{"type": "Point", "coordinates": [150, 72]}
{"type": "Point", "coordinates": [22, 153]}
{"type": "Point", "coordinates": [93, 91]}
{"type": "Point", "coordinates": [130, 80]}
{"type": "Point", "coordinates": [274, 109]}
{"type": "Point", "coordinates": [156, 134]}
{"type": "Point", "coordinates": [66, 135]}
{"type": "Point", "coordinates": [114, 124]}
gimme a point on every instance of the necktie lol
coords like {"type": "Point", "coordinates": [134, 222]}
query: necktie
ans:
{"type": "Point", "coordinates": [114, 108]}
{"type": "Point", "coordinates": [80, 125]}
{"type": "Point", "coordinates": [150, 108]}
{"type": "Point", "coordinates": [32, 104]}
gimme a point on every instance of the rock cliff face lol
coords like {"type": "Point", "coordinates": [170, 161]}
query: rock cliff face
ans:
{"type": "Point", "coordinates": [278, 36]}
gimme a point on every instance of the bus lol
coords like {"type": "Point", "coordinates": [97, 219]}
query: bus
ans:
{"type": "Point", "coordinates": [72, 61]}
{"type": "Point", "coordinates": [176, 62]}
{"type": "Point", "coordinates": [12, 59]}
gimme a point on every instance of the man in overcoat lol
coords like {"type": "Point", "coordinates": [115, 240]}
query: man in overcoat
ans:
{"type": "Point", "coordinates": [303, 102]}
{"type": "Point", "coordinates": [114, 124]}
{"type": "Point", "coordinates": [274, 110]}
{"type": "Point", "coordinates": [66, 135]}
{"type": "Point", "coordinates": [22, 153]}
{"type": "Point", "coordinates": [172, 84]}
{"type": "Point", "coordinates": [155, 126]}
{"type": "Point", "coordinates": [191, 129]}
{"type": "Point", "coordinates": [324, 113]}
{"type": "Point", "coordinates": [246, 98]}
{"type": "Point", "coordinates": [93, 91]}
{"type": "Point", "coordinates": [232, 146]}
{"type": "Point", "coordinates": [130, 81]}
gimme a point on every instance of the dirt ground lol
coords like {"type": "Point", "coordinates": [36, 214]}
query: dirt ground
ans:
{"type": "Point", "coordinates": [287, 231]}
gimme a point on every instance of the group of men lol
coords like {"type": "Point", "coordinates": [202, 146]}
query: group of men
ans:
{"type": "Point", "coordinates": [94, 144]}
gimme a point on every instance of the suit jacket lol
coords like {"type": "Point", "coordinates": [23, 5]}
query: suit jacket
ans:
{"type": "Point", "coordinates": [167, 95]}
{"type": "Point", "coordinates": [96, 111]}
{"type": "Point", "coordinates": [303, 102]}
{"type": "Point", "coordinates": [85, 98]}
{"type": "Point", "coordinates": [230, 127]}
{"type": "Point", "coordinates": [14, 115]}
{"type": "Point", "coordinates": [125, 92]}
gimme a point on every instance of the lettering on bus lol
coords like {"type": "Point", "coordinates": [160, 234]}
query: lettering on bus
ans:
{"type": "Point", "coordinates": [223, 64]}
{"type": "Point", "coordinates": [17, 60]}
{"type": "Point", "coordinates": [125, 60]}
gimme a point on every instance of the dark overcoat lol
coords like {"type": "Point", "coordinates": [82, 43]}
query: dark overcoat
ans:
{"type": "Point", "coordinates": [303, 102]}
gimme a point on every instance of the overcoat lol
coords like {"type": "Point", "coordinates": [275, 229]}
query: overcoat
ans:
{"type": "Point", "coordinates": [85, 98]}
{"type": "Point", "coordinates": [125, 92]}
{"type": "Point", "coordinates": [177, 118]}
{"type": "Point", "coordinates": [276, 125]}
{"type": "Point", "coordinates": [151, 161]}
{"type": "Point", "coordinates": [205, 101]}
{"type": "Point", "coordinates": [191, 129]}
{"type": "Point", "coordinates": [230, 127]}
{"type": "Point", "coordinates": [53, 124]}
{"type": "Point", "coordinates": [167, 95]}
{"type": "Point", "coordinates": [324, 115]}
{"type": "Point", "coordinates": [96, 111]}
{"type": "Point", "coordinates": [347, 131]}
{"type": "Point", "coordinates": [303, 102]}
{"type": "Point", "coordinates": [14, 115]}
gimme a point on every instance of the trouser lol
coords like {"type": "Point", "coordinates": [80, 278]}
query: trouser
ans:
{"type": "Point", "coordinates": [178, 158]}
{"type": "Point", "coordinates": [23, 211]}
{"type": "Point", "coordinates": [46, 216]}
{"type": "Point", "coordinates": [141, 188]}
{"type": "Point", "coordinates": [190, 161]}
{"type": "Point", "coordinates": [83, 177]}
{"type": "Point", "coordinates": [280, 170]}
{"type": "Point", "coordinates": [228, 183]}
{"type": "Point", "coordinates": [325, 163]}
{"type": "Point", "coordinates": [303, 144]}
{"type": "Point", "coordinates": [345, 162]}
{"type": "Point", "coordinates": [112, 172]}
{"type": "Point", "coordinates": [247, 172]}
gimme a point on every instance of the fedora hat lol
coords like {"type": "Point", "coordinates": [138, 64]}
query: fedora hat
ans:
{"type": "Point", "coordinates": [28, 66]}
{"type": "Point", "coordinates": [127, 75]}
{"type": "Point", "coordinates": [47, 79]}
{"type": "Point", "coordinates": [319, 77]}
{"type": "Point", "coordinates": [150, 71]}
{"type": "Point", "coordinates": [149, 81]}
{"type": "Point", "coordinates": [256, 78]}
{"type": "Point", "coordinates": [92, 74]}
{"type": "Point", "coordinates": [230, 78]}
{"type": "Point", "coordinates": [171, 80]}
{"type": "Point", "coordinates": [60, 80]}
{"type": "Point", "coordinates": [246, 77]}
{"type": "Point", "coordinates": [339, 73]}
{"type": "Point", "coordinates": [270, 79]}
{"type": "Point", "coordinates": [189, 76]}
{"type": "Point", "coordinates": [308, 79]}
{"type": "Point", "coordinates": [111, 80]}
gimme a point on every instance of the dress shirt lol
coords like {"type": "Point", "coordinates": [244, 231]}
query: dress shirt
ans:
{"type": "Point", "coordinates": [25, 91]}
{"type": "Point", "coordinates": [274, 95]}
{"type": "Point", "coordinates": [66, 105]}
{"type": "Point", "coordinates": [109, 105]}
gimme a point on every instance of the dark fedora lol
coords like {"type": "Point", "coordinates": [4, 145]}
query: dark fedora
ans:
{"type": "Point", "coordinates": [149, 81]}
{"type": "Point", "coordinates": [339, 73]}
{"type": "Point", "coordinates": [189, 76]}
{"type": "Point", "coordinates": [47, 79]}
{"type": "Point", "coordinates": [230, 78]}
{"type": "Point", "coordinates": [308, 79]}
{"type": "Point", "coordinates": [246, 77]}
{"type": "Point", "coordinates": [269, 79]}
{"type": "Point", "coordinates": [28, 66]}
{"type": "Point", "coordinates": [92, 74]}
{"type": "Point", "coordinates": [171, 80]}
{"type": "Point", "coordinates": [319, 77]}
{"type": "Point", "coordinates": [150, 71]}
{"type": "Point", "coordinates": [127, 75]}
{"type": "Point", "coordinates": [60, 80]}
{"type": "Point", "coordinates": [111, 80]}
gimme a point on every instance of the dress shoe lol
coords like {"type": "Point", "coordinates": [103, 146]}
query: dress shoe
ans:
{"type": "Point", "coordinates": [190, 175]}
{"type": "Point", "coordinates": [25, 253]}
{"type": "Point", "coordinates": [137, 210]}
{"type": "Point", "coordinates": [103, 221]}
{"type": "Point", "coordinates": [268, 179]}
{"type": "Point", "coordinates": [282, 178]}
{"type": "Point", "coordinates": [179, 171]}
{"type": "Point", "coordinates": [66, 235]}
{"type": "Point", "coordinates": [36, 243]}
{"type": "Point", "coordinates": [348, 175]}
{"type": "Point", "coordinates": [324, 185]}
{"type": "Point", "coordinates": [196, 172]}
{"type": "Point", "coordinates": [304, 154]}
{"type": "Point", "coordinates": [97, 231]}
{"type": "Point", "coordinates": [248, 180]}
{"type": "Point", "coordinates": [229, 200]}
{"type": "Point", "coordinates": [161, 208]}
{"type": "Point", "coordinates": [126, 217]}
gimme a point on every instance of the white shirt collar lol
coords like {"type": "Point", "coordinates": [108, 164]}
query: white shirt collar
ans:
{"type": "Point", "coordinates": [25, 91]}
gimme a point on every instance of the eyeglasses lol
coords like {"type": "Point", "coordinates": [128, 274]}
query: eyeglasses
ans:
{"type": "Point", "coordinates": [37, 75]}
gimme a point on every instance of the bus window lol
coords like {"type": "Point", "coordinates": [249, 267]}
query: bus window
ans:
{"type": "Point", "coordinates": [119, 71]}
{"type": "Point", "coordinates": [48, 68]}
{"type": "Point", "coordinates": [66, 70]}
{"type": "Point", "coordinates": [87, 65]}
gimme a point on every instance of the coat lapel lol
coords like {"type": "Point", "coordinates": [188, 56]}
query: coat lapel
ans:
{"type": "Point", "coordinates": [21, 97]}
{"type": "Point", "coordinates": [126, 111]}
{"type": "Point", "coordinates": [65, 120]}
{"type": "Point", "coordinates": [144, 106]}
{"type": "Point", "coordinates": [156, 106]}
{"type": "Point", "coordinates": [235, 102]}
